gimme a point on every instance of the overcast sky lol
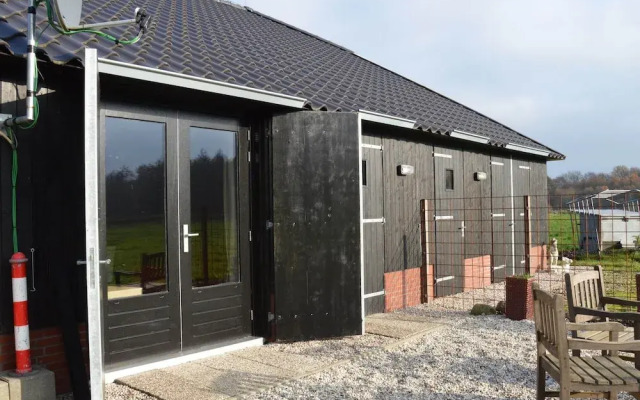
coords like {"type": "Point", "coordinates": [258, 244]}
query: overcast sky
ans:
{"type": "Point", "coordinates": [565, 73]}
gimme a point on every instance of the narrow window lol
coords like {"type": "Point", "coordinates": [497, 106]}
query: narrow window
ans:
{"type": "Point", "coordinates": [449, 179]}
{"type": "Point", "coordinates": [364, 173]}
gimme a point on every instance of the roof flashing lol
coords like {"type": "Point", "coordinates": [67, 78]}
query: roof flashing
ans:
{"type": "Point", "coordinates": [527, 149]}
{"type": "Point", "coordinates": [117, 68]}
{"type": "Point", "coordinates": [371, 116]}
{"type": "Point", "coordinates": [472, 137]}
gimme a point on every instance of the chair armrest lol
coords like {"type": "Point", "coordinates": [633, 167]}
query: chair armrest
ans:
{"type": "Point", "coordinates": [595, 326]}
{"type": "Point", "coordinates": [625, 316]}
{"type": "Point", "coordinates": [620, 302]}
{"type": "Point", "coordinates": [585, 344]}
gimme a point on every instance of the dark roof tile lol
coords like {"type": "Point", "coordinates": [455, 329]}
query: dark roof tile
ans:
{"type": "Point", "coordinates": [225, 41]}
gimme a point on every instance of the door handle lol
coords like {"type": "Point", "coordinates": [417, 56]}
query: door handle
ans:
{"type": "Point", "coordinates": [462, 228]}
{"type": "Point", "coordinates": [186, 236]}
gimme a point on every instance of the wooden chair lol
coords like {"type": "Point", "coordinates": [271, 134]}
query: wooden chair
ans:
{"type": "Point", "coordinates": [153, 274]}
{"type": "Point", "coordinates": [579, 376]}
{"type": "Point", "coordinates": [587, 302]}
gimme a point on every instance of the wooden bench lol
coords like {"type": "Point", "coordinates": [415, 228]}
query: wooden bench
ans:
{"type": "Point", "coordinates": [153, 273]}
{"type": "Point", "coordinates": [587, 303]}
{"type": "Point", "coordinates": [579, 376]}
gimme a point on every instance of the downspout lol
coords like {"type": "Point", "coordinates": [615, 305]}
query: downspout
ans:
{"type": "Point", "coordinates": [31, 70]}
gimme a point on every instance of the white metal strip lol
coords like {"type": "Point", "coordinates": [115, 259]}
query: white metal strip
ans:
{"type": "Point", "coordinates": [21, 337]}
{"type": "Point", "coordinates": [443, 217]}
{"type": "Point", "coordinates": [386, 119]}
{"type": "Point", "coordinates": [522, 261]}
{"type": "Point", "coordinates": [380, 293]}
{"type": "Point", "coordinates": [373, 220]}
{"type": "Point", "coordinates": [522, 214]}
{"type": "Point", "coordinates": [442, 155]}
{"type": "Point", "coordinates": [192, 82]}
{"type": "Point", "coordinates": [113, 375]}
{"type": "Point", "coordinates": [446, 278]}
{"type": "Point", "coordinates": [361, 199]}
{"type": "Point", "coordinates": [472, 137]}
{"type": "Point", "coordinates": [92, 215]}
{"type": "Point", "coordinates": [372, 146]}
{"type": "Point", "coordinates": [19, 286]}
{"type": "Point", "coordinates": [523, 167]}
{"type": "Point", "coordinates": [527, 149]}
{"type": "Point", "coordinates": [497, 215]}
{"type": "Point", "coordinates": [497, 163]}
{"type": "Point", "coordinates": [513, 218]}
{"type": "Point", "coordinates": [499, 267]}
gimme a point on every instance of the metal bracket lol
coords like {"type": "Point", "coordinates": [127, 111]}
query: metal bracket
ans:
{"type": "Point", "coordinates": [84, 262]}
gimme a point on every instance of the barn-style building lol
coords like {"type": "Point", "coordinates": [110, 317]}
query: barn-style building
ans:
{"type": "Point", "coordinates": [231, 178]}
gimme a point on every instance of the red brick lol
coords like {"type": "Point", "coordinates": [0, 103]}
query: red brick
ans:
{"type": "Point", "coordinates": [477, 272]}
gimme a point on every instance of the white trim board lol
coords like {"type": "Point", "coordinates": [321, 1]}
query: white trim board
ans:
{"type": "Point", "coordinates": [373, 220]}
{"type": "Point", "coordinates": [372, 146]}
{"type": "Point", "coordinates": [375, 294]}
{"type": "Point", "coordinates": [441, 155]}
{"type": "Point", "coordinates": [497, 163]}
{"type": "Point", "coordinates": [118, 68]}
{"type": "Point", "coordinates": [471, 137]}
{"type": "Point", "coordinates": [109, 377]}
{"type": "Point", "coordinates": [386, 119]}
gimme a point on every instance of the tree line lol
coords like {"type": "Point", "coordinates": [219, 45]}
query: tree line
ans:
{"type": "Point", "coordinates": [577, 183]}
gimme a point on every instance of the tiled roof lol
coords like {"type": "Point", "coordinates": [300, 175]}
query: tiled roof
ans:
{"type": "Point", "coordinates": [222, 41]}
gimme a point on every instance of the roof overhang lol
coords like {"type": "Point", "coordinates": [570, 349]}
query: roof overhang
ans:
{"type": "Point", "coordinates": [386, 119]}
{"type": "Point", "coordinates": [132, 71]}
{"type": "Point", "coordinates": [527, 149]}
{"type": "Point", "coordinates": [472, 137]}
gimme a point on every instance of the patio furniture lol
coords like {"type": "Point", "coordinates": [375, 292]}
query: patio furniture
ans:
{"type": "Point", "coordinates": [579, 376]}
{"type": "Point", "coordinates": [587, 302]}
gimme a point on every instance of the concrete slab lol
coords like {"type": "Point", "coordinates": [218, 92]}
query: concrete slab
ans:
{"type": "Point", "coordinates": [168, 386]}
{"type": "Point", "coordinates": [36, 385]}
{"type": "Point", "coordinates": [398, 326]}
{"type": "Point", "coordinates": [4, 390]}
{"type": "Point", "coordinates": [299, 364]}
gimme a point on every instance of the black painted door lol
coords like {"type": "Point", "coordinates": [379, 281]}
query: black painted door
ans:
{"type": "Point", "coordinates": [373, 225]}
{"type": "Point", "coordinates": [449, 221]}
{"type": "Point", "coordinates": [138, 224]}
{"type": "Point", "coordinates": [214, 222]}
{"type": "Point", "coordinates": [501, 216]}
{"type": "Point", "coordinates": [175, 225]}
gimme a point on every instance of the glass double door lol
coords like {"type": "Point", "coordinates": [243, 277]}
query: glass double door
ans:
{"type": "Point", "coordinates": [174, 229]}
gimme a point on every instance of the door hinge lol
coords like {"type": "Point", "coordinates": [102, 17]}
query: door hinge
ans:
{"type": "Point", "coordinates": [252, 315]}
{"type": "Point", "coordinates": [250, 236]}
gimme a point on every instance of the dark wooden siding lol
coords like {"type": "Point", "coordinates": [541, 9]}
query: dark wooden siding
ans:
{"type": "Point", "coordinates": [449, 211]}
{"type": "Point", "coordinates": [540, 203]}
{"type": "Point", "coordinates": [521, 187]}
{"type": "Point", "coordinates": [316, 211]}
{"type": "Point", "coordinates": [402, 197]}
{"type": "Point", "coordinates": [477, 205]}
{"type": "Point", "coordinates": [501, 260]}
{"type": "Point", "coordinates": [373, 232]}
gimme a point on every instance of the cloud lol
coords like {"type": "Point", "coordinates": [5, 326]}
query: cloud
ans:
{"type": "Point", "coordinates": [564, 72]}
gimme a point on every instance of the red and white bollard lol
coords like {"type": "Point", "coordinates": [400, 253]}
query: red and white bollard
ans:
{"type": "Point", "coordinates": [20, 312]}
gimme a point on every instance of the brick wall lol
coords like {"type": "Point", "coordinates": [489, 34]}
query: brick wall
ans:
{"type": "Point", "coordinates": [539, 260]}
{"type": "Point", "coordinates": [477, 272]}
{"type": "Point", "coordinates": [47, 350]}
{"type": "Point", "coordinates": [402, 289]}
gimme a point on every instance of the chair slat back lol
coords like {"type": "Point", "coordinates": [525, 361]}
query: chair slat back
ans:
{"type": "Point", "coordinates": [551, 330]}
{"type": "Point", "coordinates": [584, 289]}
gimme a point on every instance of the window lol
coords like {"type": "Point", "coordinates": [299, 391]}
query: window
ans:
{"type": "Point", "coordinates": [364, 173]}
{"type": "Point", "coordinates": [448, 177]}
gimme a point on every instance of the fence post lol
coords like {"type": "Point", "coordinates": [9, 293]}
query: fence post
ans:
{"type": "Point", "coordinates": [527, 235]}
{"type": "Point", "coordinates": [638, 288]}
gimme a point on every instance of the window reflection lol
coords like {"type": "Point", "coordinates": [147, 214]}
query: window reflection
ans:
{"type": "Point", "coordinates": [135, 207]}
{"type": "Point", "coordinates": [214, 163]}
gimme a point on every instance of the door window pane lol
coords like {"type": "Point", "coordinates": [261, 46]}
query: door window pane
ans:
{"type": "Point", "coordinates": [135, 201]}
{"type": "Point", "coordinates": [449, 179]}
{"type": "Point", "coordinates": [214, 214]}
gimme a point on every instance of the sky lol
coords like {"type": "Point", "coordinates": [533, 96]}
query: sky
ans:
{"type": "Point", "coordinates": [565, 73]}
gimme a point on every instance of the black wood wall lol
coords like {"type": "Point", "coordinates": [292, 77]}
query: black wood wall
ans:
{"type": "Point", "coordinates": [316, 211]}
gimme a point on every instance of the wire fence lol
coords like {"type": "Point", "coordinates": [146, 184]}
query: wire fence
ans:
{"type": "Point", "coordinates": [470, 251]}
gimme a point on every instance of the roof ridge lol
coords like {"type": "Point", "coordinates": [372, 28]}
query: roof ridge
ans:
{"type": "Point", "coordinates": [295, 28]}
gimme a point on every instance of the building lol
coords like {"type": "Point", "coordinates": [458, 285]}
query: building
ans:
{"type": "Point", "coordinates": [322, 186]}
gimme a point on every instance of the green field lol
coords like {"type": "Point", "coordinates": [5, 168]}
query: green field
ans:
{"type": "Point", "coordinates": [126, 242]}
{"type": "Point", "coordinates": [619, 265]}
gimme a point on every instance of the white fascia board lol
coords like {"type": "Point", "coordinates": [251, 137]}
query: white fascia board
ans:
{"type": "Point", "coordinates": [527, 149]}
{"type": "Point", "coordinates": [386, 119]}
{"type": "Point", "coordinates": [472, 137]}
{"type": "Point", "coordinates": [132, 71]}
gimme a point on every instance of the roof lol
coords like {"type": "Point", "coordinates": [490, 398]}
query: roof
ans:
{"type": "Point", "coordinates": [222, 41]}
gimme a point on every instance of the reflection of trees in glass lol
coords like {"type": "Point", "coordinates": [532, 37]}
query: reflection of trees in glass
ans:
{"type": "Point", "coordinates": [213, 215]}
{"type": "Point", "coordinates": [136, 196]}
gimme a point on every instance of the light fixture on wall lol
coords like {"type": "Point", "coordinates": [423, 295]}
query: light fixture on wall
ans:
{"type": "Point", "coordinates": [404, 170]}
{"type": "Point", "coordinates": [480, 176]}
